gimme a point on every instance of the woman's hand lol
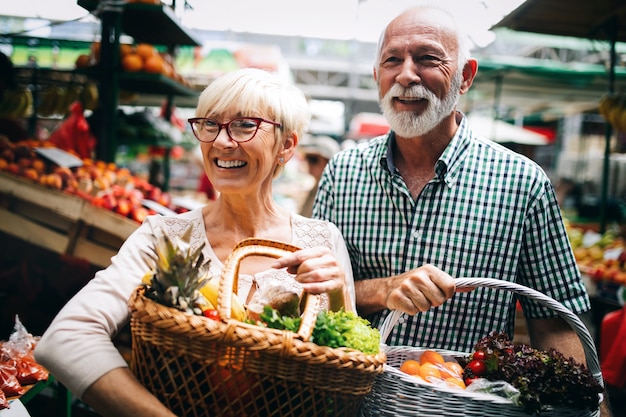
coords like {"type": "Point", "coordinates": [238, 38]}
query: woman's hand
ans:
{"type": "Point", "coordinates": [316, 269]}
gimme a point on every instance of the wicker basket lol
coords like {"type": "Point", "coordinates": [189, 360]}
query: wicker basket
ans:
{"type": "Point", "coordinates": [397, 394]}
{"type": "Point", "coordinates": [202, 367]}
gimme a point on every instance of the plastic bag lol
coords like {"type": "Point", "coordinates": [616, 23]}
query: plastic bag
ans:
{"type": "Point", "coordinates": [9, 383]}
{"type": "Point", "coordinates": [4, 403]}
{"type": "Point", "coordinates": [74, 135]}
{"type": "Point", "coordinates": [500, 388]}
{"type": "Point", "coordinates": [18, 354]}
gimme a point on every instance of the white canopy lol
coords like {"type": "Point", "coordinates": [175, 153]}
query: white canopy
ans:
{"type": "Point", "coordinates": [503, 132]}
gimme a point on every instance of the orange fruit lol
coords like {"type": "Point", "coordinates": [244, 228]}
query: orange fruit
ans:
{"type": "Point", "coordinates": [430, 356]}
{"type": "Point", "coordinates": [83, 61]}
{"type": "Point", "coordinates": [455, 382]}
{"type": "Point", "coordinates": [145, 50]}
{"type": "Point", "coordinates": [154, 65]}
{"type": "Point", "coordinates": [410, 366]}
{"type": "Point", "coordinates": [125, 49]}
{"type": "Point", "coordinates": [132, 63]}
{"type": "Point", "coordinates": [451, 370]}
{"type": "Point", "coordinates": [429, 371]}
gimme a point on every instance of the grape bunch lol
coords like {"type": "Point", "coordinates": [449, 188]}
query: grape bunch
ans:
{"type": "Point", "coordinates": [544, 378]}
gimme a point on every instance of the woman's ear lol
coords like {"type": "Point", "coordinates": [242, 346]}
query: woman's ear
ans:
{"type": "Point", "coordinates": [288, 148]}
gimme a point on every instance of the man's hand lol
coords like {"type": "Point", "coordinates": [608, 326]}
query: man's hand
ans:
{"type": "Point", "coordinates": [411, 292]}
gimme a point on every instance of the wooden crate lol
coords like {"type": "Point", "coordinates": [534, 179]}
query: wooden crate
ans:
{"type": "Point", "coordinates": [62, 223]}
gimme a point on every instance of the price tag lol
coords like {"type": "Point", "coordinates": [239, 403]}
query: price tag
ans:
{"type": "Point", "coordinates": [60, 157]}
{"type": "Point", "coordinates": [16, 409]}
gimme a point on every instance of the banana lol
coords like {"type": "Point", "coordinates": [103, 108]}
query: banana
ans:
{"type": "Point", "coordinates": [23, 103]}
{"type": "Point", "coordinates": [47, 102]}
{"type": "Point", "coordinates": [70, 95]}
{"type": "Point", "coordinates": [28, 108]}
{"type": "Point", "coordinates": [19, 102]}
{"type": "Point", "coordinates": [210, 291]}
{"type": "Point", "coordinates": [89, 96]}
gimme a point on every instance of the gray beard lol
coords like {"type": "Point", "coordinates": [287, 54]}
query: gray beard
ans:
{"type": "Point", "coordinates": [407, 124]}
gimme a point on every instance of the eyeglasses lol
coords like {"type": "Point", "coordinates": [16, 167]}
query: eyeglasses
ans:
{"type": "Point", "coordinates": [240, 130]}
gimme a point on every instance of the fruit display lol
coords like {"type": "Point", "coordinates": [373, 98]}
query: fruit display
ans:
{"type": "Point", "coordinates": [55, 100]}
{"type": "Point", "coordinates": [136, 58]}
{"type": "Point", "coordinates": [538, 378]}
{"type": "Point", "coordinates": [102, 184]}
{"type": "Point", "coordinates": [601, 256]}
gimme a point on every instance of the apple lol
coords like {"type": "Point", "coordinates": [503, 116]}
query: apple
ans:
{"type": "Point", "coordinates": [123, 206]}
{"type": "Point", "coordinates": [139, 214]}
{"type": "Point", "coordinates": [108, 202]}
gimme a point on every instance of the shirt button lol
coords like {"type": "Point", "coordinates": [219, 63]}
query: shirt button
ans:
{"type": "Point", "coordinates": [416, 234]}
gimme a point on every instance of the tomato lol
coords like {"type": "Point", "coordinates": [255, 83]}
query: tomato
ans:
{"type": "Point", "coordinates": [479, 355]}
{"type": "Point", "coordinates": [468, 381]}
{"type": "Point", "coordinates": [477, 367]}
{"type": "Point", "coordinates": [211, 314]}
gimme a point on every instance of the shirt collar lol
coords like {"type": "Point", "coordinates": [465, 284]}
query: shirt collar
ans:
{"type": "Point", "coordinates": [446, 167]}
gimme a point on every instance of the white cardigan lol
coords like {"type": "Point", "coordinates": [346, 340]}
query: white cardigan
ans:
{"type": "Point", "coordinates": [77, 347]}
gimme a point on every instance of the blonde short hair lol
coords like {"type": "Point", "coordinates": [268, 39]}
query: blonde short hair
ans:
{"type": "Point", "coordinates": [255, 92]}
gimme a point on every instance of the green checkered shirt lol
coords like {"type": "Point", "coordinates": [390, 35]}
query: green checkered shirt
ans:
{"type": "Point", "coordinates": [488, 212]}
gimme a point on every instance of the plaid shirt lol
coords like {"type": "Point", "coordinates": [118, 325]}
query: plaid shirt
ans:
{"type": "Point", "coordinates": [488, 212]}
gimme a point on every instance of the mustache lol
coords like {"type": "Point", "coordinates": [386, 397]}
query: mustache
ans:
{"type": "Point", "coordinates": [415, 91]}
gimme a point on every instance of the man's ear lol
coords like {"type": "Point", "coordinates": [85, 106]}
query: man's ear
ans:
{"type": "Point", "coordinates": [469, 72]}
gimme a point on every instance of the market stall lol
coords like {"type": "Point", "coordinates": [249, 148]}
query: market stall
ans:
{"type": "Point", "coordinates": [602, 20]}
{"type": "Point", "coordinates": [599, 20]}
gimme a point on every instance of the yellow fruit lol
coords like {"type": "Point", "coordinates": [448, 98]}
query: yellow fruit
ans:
{"type": "Point", "coordinates": [210, 292]}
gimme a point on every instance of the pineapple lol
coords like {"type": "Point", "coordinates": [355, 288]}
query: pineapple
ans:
{"type": "Point", "coordinates": [178, 275]}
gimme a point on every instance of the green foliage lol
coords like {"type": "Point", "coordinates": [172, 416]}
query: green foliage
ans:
{"type": "Point", "coordinates": [543, 377]}
{"type": "Point", "coordinates": [332, 329]}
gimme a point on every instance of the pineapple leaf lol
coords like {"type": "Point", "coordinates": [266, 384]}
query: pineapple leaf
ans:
{"type": "Point", "coordinates": [178, 273]}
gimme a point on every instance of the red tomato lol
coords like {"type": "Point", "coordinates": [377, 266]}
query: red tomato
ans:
{"type": "Point", "coordinates": [479, 355]}
{"type": "Point", "coordinates": [468, 381]}
{"type": "Point", "coordinates": [477, 367]}
{"type": "Point", "coordinates": [211, 314]}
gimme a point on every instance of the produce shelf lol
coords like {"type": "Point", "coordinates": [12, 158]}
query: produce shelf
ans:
{"type": "Point", "coordinates": [140, 21]}
{"type": "Point", "coordinates": [62, 223]}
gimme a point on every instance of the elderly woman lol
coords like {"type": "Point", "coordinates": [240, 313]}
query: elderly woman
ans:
{"type": "Point", "coordinates": [248, 123]}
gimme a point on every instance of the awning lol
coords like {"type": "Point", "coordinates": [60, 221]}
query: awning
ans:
{"type": "Point", "coordinates": [597, 19]}
{"type": "Point", "coordinates": [503, 132]}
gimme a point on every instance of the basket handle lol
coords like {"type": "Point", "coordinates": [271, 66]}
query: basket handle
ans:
{"type": "Point", "coordinates": [230, 274]}
{"type": "Point", "coordinates": [570, 318]}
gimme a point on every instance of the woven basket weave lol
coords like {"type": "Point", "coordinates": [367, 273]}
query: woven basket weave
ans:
{"type": "Point", "coordinates": [202, 367]}
{"type": "Point", "coordinates": [397, 394]}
